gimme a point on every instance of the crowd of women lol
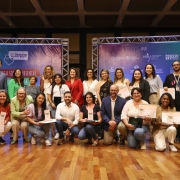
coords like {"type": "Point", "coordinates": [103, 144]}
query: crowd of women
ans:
{"type": "Point", "coordinates": [24, 106]}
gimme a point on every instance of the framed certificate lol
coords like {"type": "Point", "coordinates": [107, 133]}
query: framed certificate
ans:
{"type": "Point", "coordinates": [147, 110]}
{"type": "Point", "coordinates": [124, 92]}
{"type": "Point", "coordinates": [170, 91]}
{"type": "Point", "coordinates": [170, 117]}
{"type": "Point", "coordinates": [47, 114]}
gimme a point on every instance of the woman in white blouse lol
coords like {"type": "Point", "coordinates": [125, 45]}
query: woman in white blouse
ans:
{"type": "Point", "coordinates": [90, 82]}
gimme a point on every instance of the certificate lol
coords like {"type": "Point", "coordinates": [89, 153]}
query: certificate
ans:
{"type": "Point", "coordinates": [170, 91]}
{"type": "Point", "coordinates": [47, 121]}
{"type": "Point", "coordinates": [2, 118]}
{"type": "Point", "coordinates": [170, 117]}
{"type": "Point", "coordinates": [147, 110]}
{"type": "Point", "coordinates": [124, 92]}
{"type": "Point", "coordinates": [90, 114]}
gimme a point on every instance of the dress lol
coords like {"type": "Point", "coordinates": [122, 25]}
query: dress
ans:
{"type": "Point", "coordinates": [137, 135]}
{"type": "Point", "coordinates": [105, 89]}
{"type": "Point", "coordinates": [89, 130]}
{"type": "Point", "coordinates": [46, 89]}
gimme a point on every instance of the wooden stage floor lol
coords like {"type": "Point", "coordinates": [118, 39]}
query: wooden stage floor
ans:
{"type": "Point", "coordinates": [79, 161]}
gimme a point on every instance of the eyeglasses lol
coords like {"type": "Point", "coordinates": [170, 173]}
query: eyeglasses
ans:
{"type": "Point", "coordinates": [176, 64]}
{"type": "Point", "coordinates": [21, 93]}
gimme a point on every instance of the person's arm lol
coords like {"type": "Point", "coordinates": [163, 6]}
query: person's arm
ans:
{"type": "Point", "coordinates": [159, 81]}
{"type": "Point", "coordinates": [7, 118]}
{"type": "Point", "coordinates": [11, 88]}
{"type": "Point", "coordinates": [98, 95]}
{"type": "Point", "coordinates": [146, 90]}
{"type": "Point", "coordinates": [80, 93]}
{"type": "Point", "coordinates": [127, 81]}
{"type": "Point", "coordinates": [42, 83]}
{"type": "Point", "coordinates": [76, 119]}
{"type": "Point", "coordinates": [103, 112]}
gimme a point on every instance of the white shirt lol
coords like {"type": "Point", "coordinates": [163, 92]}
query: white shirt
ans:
{"type": "Point", "coordinates": [58, 92]}
{"type": "Point", "coordinates": [91, 87]}
{"type": "Point", "coordinates": [71, 112]}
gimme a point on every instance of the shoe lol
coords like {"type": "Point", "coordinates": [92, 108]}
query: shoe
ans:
{"type": "Point", "coordinates": [142, 145]}
{"type": "Point", "coordinates": [95, 143]}
{"type": "Point", "coordinates": [89, 141]}
{"type": "Point", "coordinates": [13, 142]}
{"type": "Point", "coordinates": [56, 136]}
{"type": "Point", "coordinates": [173, 148]}
{"type": "Point", "coordinates": [47, 142]}
{"type": "Point", "coordinates": [61, 141]}
{"type": "Point", "coordinates": [2, 141]}
{"type": "Point", "coordinates": [71, 138]}
{"type": "Point", "coordinates": [116, 138]}
{"type": "Point", "coordinates": [122, 143]}
{"type": "Point", "coordinates": [33, 140]}
{"type": "Point", "coordinates": [26, 140]}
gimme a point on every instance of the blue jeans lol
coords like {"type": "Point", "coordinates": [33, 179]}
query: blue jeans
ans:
{"type": "Point", "coordinates": [136, 136]}
{"type": "Point", "coordinates": [39, 131]}
{"type": "Point", "coordinates": [89, 131]}
{"type": "Point", "coordinates": [62, 126]}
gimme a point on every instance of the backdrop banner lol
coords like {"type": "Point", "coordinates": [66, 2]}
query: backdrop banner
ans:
{"type": "Point", "coordinates": [130, 56]}
{"type": "Point", "coordinates": [31, 58]}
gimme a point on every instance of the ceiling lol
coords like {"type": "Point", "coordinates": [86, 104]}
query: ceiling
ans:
{"type": "Point", "coordinates": [89, 13]}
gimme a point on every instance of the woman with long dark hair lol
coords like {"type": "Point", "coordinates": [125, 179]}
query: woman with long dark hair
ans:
{"type": "Point", "coordinates": [36, 114]}
{"type": "Point", "coordinates": [15, 83]}
{"type": "Point", "coordinates": [162, 130]}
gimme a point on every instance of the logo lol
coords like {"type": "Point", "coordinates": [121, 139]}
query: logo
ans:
{"type": "Point", "coordinates": [112, 69]}
{"type": "Point", "coordinates": [136, 67]}
{"type": "Point", "coordinates": [151, 57]}
{"type": "Point", "coordinates": [143, 48]}
{"type": "Point", "coordinates": [172, 57]}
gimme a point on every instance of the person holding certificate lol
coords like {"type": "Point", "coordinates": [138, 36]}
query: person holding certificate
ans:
{"type": "Point", "coordinates": [162, 130]}
{"type": "Point", "coordinates": [90, 115]}
{"type": "Point", "coordinates": [137, 126]}
{"type": "Point", "coordinates": [56, 95]}
{"type": "Point", "coordinates": [120, 80]}
{"type": "Point", "coordinates": [5, 115]}
{"type": "Point", "coordinates": [36, 114]}
{"type": "Point", "coordinates": [139, 82]}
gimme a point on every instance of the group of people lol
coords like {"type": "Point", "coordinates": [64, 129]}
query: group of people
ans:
{"type": "Point", "coordinates": [73, 102]}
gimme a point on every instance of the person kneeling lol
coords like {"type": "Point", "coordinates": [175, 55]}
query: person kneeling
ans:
{"type": "Point", "coordinates": [162, 130]}
{"type": "Point", "coordinates": [36, 129]}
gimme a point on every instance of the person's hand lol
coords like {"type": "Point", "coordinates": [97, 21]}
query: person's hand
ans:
{"type": "Point", "coordinates": [69, 122]}
{"type": "Point", "coordinates": [84, 120]}
{"type": "Point", "coordinates": [42, 77]}
{"type": "Point", "coordinates": [112, 125]}
{"type": "Point", "coordinates": [5, 122]}
{"type": "Point", "coordinates": [76, 101]}
{"type": "Point", "coordinates": [147, 119]}
{"type": "Point", "coordinates": [165, 124]}
{"type": "Point", "coordinates": [130, 126]}
{"type": "Point", "coordinates": [26, 112]}
{"type": "Point", "coordinates": [53, 105]}
{"type": "Point", "coordinates": [175, 125]}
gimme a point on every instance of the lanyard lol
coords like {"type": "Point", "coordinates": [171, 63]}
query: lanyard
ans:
{"type": "Point", "coordinates": [176, 79]}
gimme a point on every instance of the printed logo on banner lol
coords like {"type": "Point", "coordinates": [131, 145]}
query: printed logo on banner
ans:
{"type": "Point", "coordinates": [171, 57]}
{"type": "Point", "coordinates": [143, 48]}
{"type": "Point", "coordinates": [136, 67]}
{"type": "Point", "coordinates": [112, 69]}
{"type": "Point", "coordinates": [158, 71]}
{"type": "Point", "coordinates": [15, 55]}
{"type": "Point", "coordinates": [151, 57]}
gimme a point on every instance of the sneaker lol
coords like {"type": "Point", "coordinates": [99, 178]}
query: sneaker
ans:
{"type": "Point", "coordinates": [172, 148]}
{"type": "Point", "coordinates": [116, 138]}
{"type": "Point", "coordinates": [56, 136]}
{"type": "Point", "coordinates": [61, 141]}
{"type": "Point", "coordinates": [143, 145]}
{"type": "Point", "coordinates": [2, 141]}
{"type": "Point", "coordinates": [47, 142]}
{"type": "Point", "coordinates": [33, 140]}
{"type": "Point", "coordinates": [122, 143]}
{"type": "Point", "coordinates": [26, 140]}
{"type": "Point", "coordinates": [13, 142]}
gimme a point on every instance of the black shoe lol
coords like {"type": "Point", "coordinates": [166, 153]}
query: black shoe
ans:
{"type": "Point", "coordinates": [71, 138]}
{"type": "Point", "coordinates": [122, 143]}
{"type": "Point", "coordinates": [116, 138]}
{"type": "Point", "coordinates": [2, 141]}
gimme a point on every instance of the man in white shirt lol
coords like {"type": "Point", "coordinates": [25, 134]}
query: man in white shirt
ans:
{"type": "Point", "coordinates": [67, 115]}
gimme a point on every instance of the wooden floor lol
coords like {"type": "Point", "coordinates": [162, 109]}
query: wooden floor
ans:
{"type": "Point", "coordinates": [79, 161]}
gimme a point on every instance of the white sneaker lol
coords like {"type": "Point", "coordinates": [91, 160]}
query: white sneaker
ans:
{"type": "Point", "coordinates": [56, 136]}
{"type": "Point", "coordinates": [33, 140]}
{"type": "Point", "coordinates": [172, 148]}
{"type": "Point", "coordinates": [47, 142]}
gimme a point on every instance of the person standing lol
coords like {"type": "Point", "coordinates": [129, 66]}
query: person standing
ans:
{"type": "Point", "coordinates": [3, 79]}
{"type": "Point", "coordinates": [173, 81]}
{"type": "Point", "coordinates": [111, 109]}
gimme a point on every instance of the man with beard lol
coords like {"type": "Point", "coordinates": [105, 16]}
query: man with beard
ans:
{"type": "Point", "coordinates": [173, 81]}
{"type": "Point", "coordinates": [67, 116]}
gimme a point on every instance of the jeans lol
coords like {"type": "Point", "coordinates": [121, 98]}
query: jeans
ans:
{"type": "Point", "coordinates": [39, 131]}
{"type": "Point", "coordinates": [136, 136]}
{"type": "Point", "coordinates": [62, 126]}
{"type": "Point", "coordinates": [89, 131]}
